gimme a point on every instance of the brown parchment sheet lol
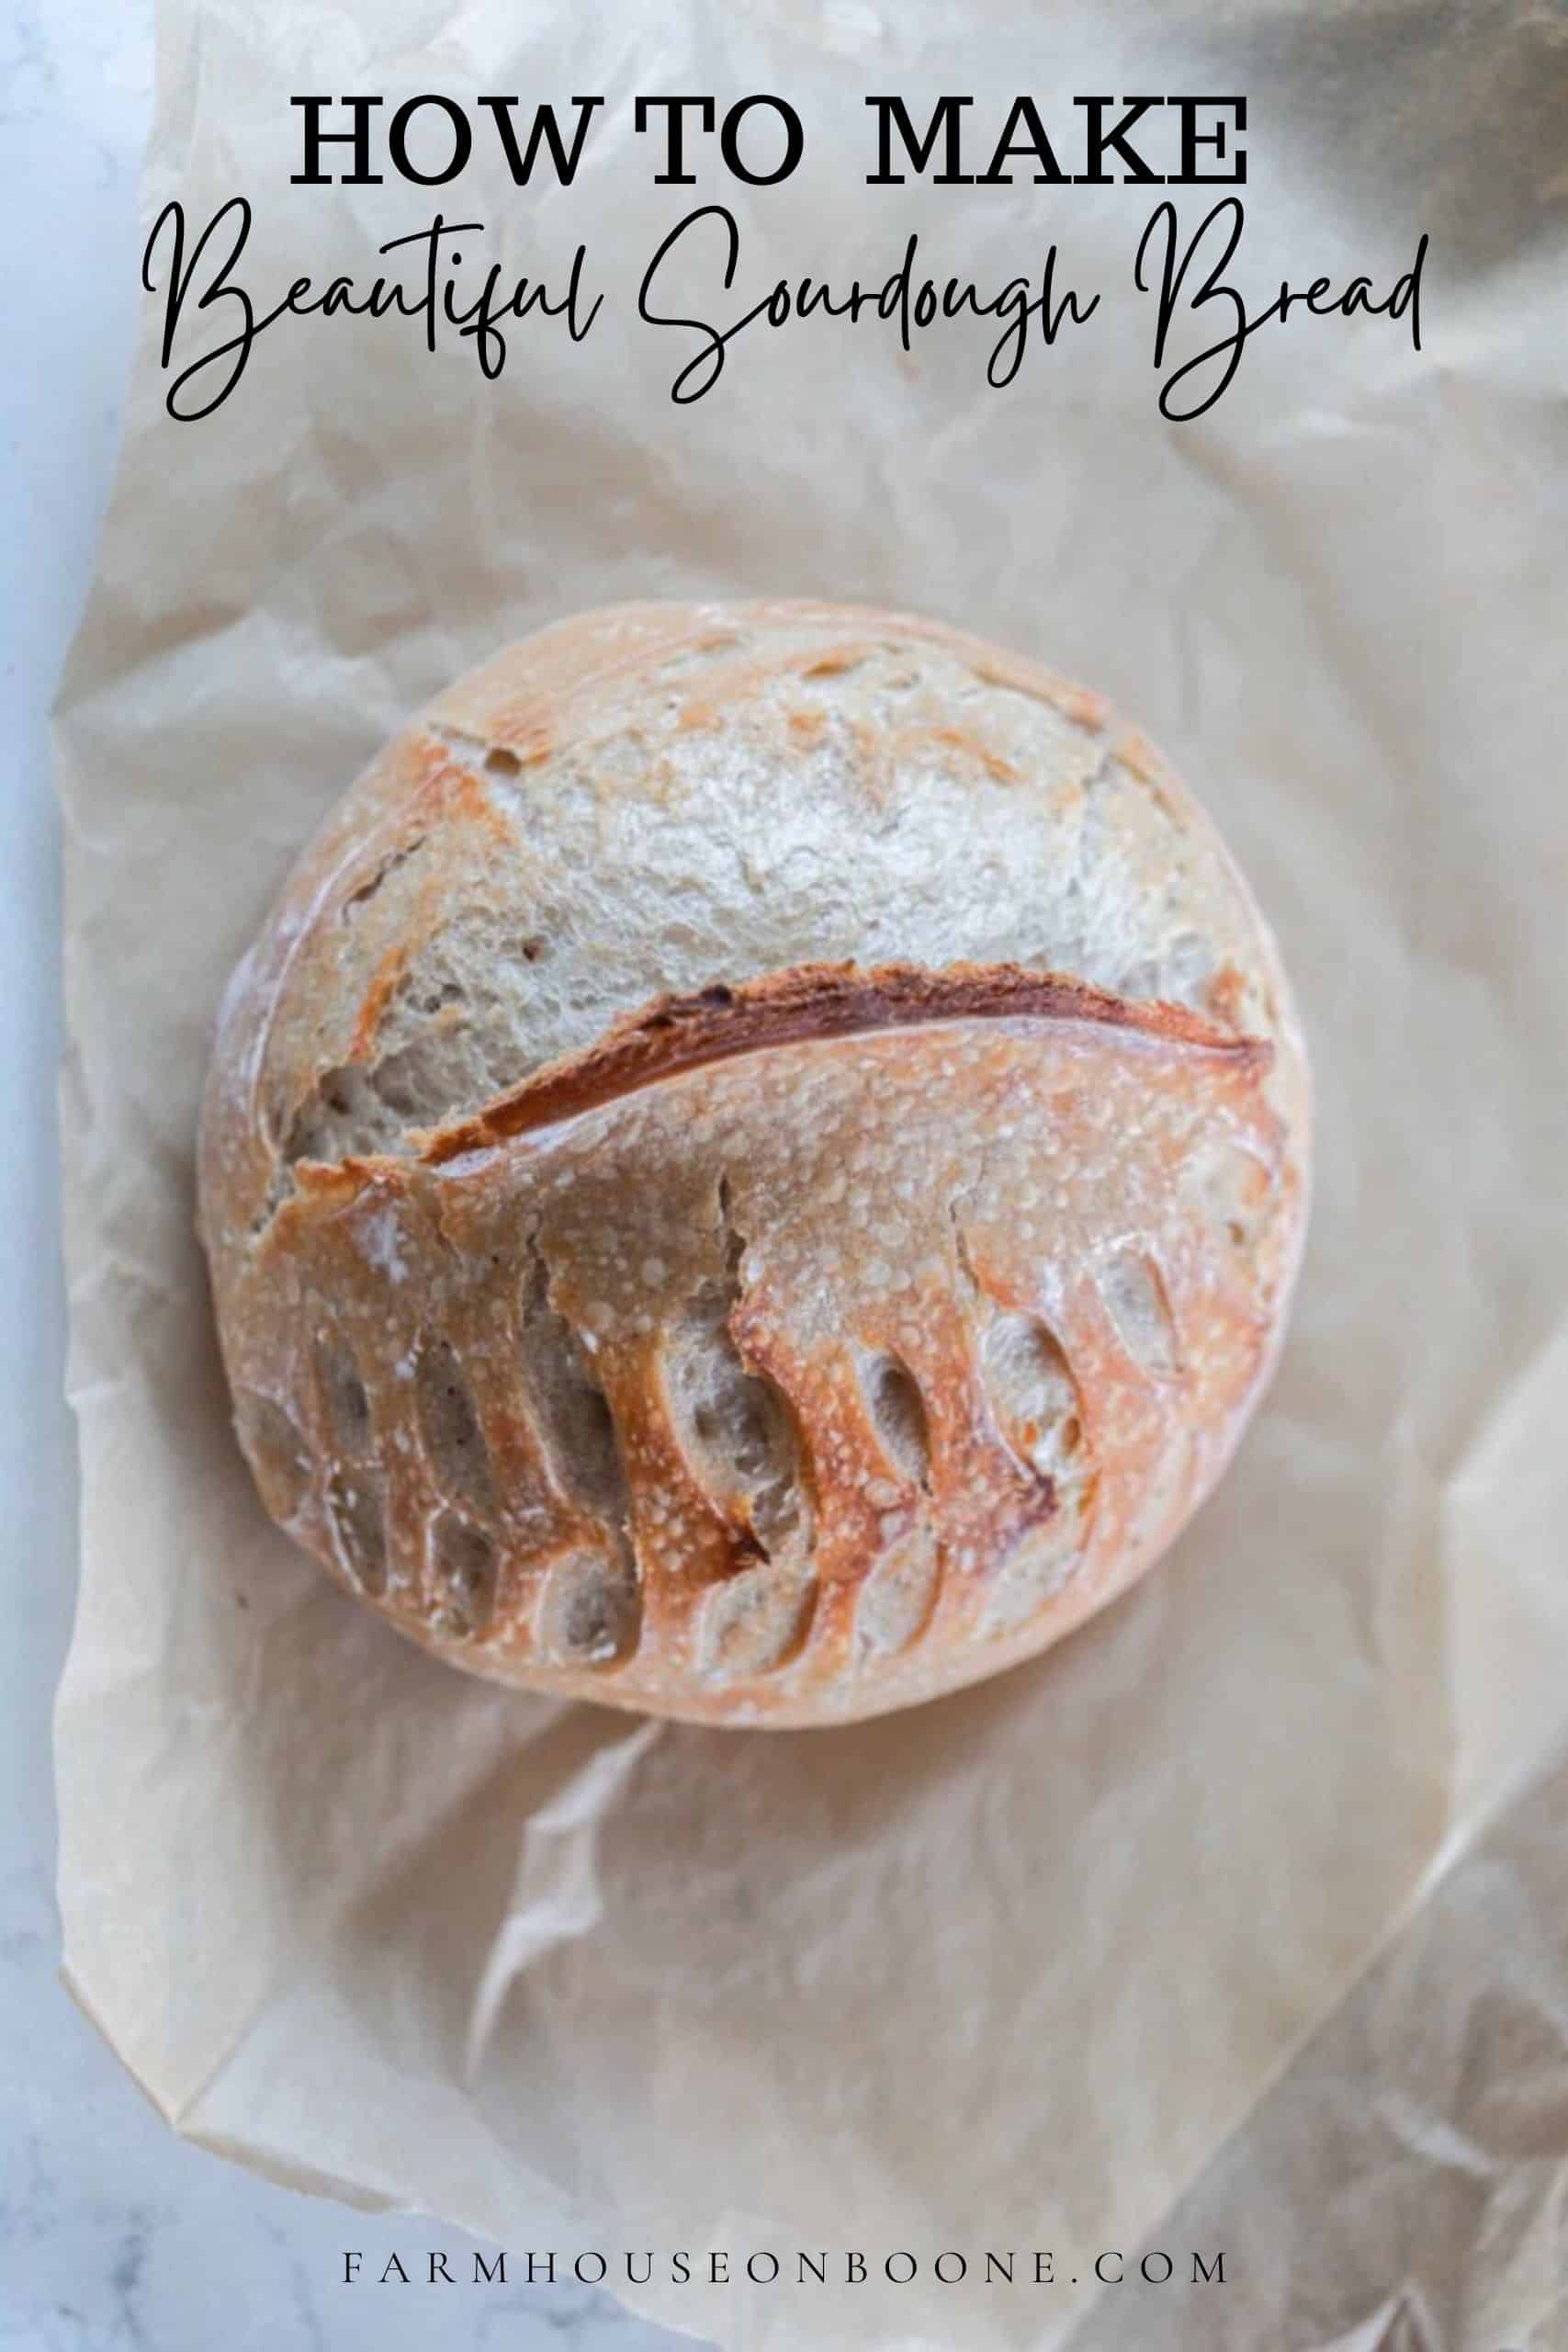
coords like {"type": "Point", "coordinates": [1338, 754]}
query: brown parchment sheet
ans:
{"type": "Point", "coordinates": [1239, 1918]}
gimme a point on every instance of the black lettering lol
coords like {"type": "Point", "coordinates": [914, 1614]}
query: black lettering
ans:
{"type": "Point", "coordinates": [1216, 2277]}
{"type": "Point", "coordinates": [563, 160]}
{"type": "Point", "coordinates": [351, 2263]}
{"type": "Point", "coordinates": [397, 140]}
{"type": "Point", "coordinates": [1406, 295]}
{"type": "Point", "coordinates": [729, 140]}
{"type": "Point", "coordinates": [1099, 138]}
{"type": "Point", "coordinates": [1109, 2278]}
{"type": "Point", "coordinates": [945, 123]}
{"type": "Point", "coordinates": [316, 138]}
{"type": "Point", "coordinates": [394, 2265]}
{"type": "Point", "coordinates": [647, 2275]}
{"type": "Point", "coordinates": [1156, 2277]}
{"type": "Point", "coordinates": [428, 303]}
{"type": "Point", "coordinates": [547, 2273]}
{"type": "Point", "coordinates": [591, 2277]}
{"type": "Point", "coordinates": [960, 2272]}
{"type": "Point", "coordinates": [1173, 274]}
{"type": "Point", "coordinates": [1044, 2274]}
{"type": "Point", "coordinates": [712, 353]}
{"type": "Point", "coordinates": [764, 2278]}
{"type": "Point", "coordinates": [674, 174]}
{"type": "Point", "coordinates": [1001, 2264]}
{"type": "Point", "coordinates": [492, 2277]}
{"type": "Point", "coordinates": [1027, 114]}
{"type": "Point", "coordinates": [1193, 139]}
{"type": "Point", "coordinates": [217, 289]}
{"type": "Point", "coordinates": [1016, 304]}
{"type": "Point", "coordinates": [819, 2269]}
{"type": "Point", "coordinates": [904, 2279]}
{"type": "Point", "coordinates": [438, 2269]}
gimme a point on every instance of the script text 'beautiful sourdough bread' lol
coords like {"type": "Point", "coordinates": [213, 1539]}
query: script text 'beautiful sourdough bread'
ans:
{"type": "Point", "coordinates": [756, 1168]}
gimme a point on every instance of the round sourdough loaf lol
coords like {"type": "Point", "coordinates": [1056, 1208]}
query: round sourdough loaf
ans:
{"type": "Point", "coordinates": [755, 1169]}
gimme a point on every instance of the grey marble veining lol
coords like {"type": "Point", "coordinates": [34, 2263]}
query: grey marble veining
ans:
{"type": "Point", "coordinates": [113, 2232]}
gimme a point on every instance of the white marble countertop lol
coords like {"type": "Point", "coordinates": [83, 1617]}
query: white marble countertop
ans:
{"type": "Point", "coordinates": [113, 2232]}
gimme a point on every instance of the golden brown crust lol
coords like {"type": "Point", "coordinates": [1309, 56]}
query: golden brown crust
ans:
{"type": "Point", "coordinates": [790, 1346]}
{"type": "Point", "coordinates": [692, 1213]}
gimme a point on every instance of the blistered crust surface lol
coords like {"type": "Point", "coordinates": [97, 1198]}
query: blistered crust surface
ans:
{"type": "Point", "coordinates": [634, 1284]}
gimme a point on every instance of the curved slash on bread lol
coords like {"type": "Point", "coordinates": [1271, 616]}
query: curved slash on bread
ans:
{"type": "Point", "coordinates": [817, 1002]}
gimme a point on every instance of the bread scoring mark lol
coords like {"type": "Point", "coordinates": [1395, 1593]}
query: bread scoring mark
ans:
{"type": "Point", "coordinates": [754, 1623]}
{"type": "Point", "coordinates": [379, 1104]}
{"type": "Point", "coordinates": [355, 1108]}
{"type": "Point", "coordinates": [896, 1599]}
{"type": "Point", "coordinates": [1134, 1297]}
{"type": "Point", "coordinates": [1032, 1391]}
{"type": "Point", "coordinates": [357, 1515]}
{"type": "Point", "coordinates": [812, 1002]}
{"type": "Point", "coordinates": [1031, 1399]}
{"type": "Point", "coordinates": [449, 1425]}
{"type": "Point", "coordinates": [729, 1418]}
{"type": "Point", "coordinates": [589, 1612]}
{"type": "Point", "coordinates": [578, 1438]}
{"type": "Point", "coordinates": [279, 1458]}
{"type": "Point", "coordinates": [1235, 1190]}
{"type": "Point", "coordinates": [342, 1401]}
{"type": "Point", "coordinates": [899, 1416]}
{"type": "Point", "coordinates": [463, 1565]}
{"type": "Point", "coordinates": [1028, 1385]}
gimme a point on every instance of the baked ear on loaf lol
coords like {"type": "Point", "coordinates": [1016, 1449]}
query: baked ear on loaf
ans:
{"type": "Point", "coordinates": [755, 1169]}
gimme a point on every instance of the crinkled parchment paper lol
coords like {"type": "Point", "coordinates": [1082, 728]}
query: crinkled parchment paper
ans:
{"type": "Point", "coordinates": [1074, 1961]}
